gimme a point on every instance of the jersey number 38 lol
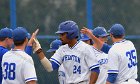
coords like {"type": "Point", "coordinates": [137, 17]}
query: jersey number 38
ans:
{"type": "Point", "coordinates": [9, 70]}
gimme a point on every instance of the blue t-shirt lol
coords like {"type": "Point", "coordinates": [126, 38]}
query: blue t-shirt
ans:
{"type": "Point", "coordinates": [3, 50]}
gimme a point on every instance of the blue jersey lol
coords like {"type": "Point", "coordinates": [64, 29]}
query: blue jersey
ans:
{"type": "Point", "coordinates": [3, 50]}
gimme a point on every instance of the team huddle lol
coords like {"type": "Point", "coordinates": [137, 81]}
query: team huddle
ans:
{"type": "Point", "coordinates": [88, 60]}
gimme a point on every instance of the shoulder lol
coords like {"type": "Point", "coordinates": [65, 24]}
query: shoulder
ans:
{"type": "Point", "coordinates": [27, 58]}
{"type": "Point", "coordinates": [84, 45]}
{"type": "Point", "coordinates": [25, 55]}
{"type": "Point", "coordinates": [63, 46]}
{"type": "Point", "coordinates": [5, 54]}
{"type": "Point", "coordinates": [130, 42]}
{"type": "Point", "coordinates": [3, 50]}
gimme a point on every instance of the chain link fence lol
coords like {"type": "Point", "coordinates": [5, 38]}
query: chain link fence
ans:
{"type": "Point", "coordinates": [47, 14]}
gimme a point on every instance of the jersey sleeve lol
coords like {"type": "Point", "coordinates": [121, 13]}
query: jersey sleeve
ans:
{"type": "Point", "coordinates": [57, 57]}
{"type": "Point", "coordinates": [2, 52]}
{"type": "Point", "coordinates": [29, 72]}
{"type": "Point", "coordinates": [105, 48]}
{"type": "Point", "coordinates": [91, 58]}
{"type": "Point", "coordinates": [113, 61]}
{"type": "Point", "coordinates": [28, 50]}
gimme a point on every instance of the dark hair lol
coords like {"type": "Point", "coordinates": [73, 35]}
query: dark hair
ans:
{"type": "Point", "coordinates": [75, 37]}
{"type": "Point", "coordinates": [97, 36]}
{"type": "Point", "coordinates": [2, 39]}
{"type": "Point", "coordinates": [118, 36]}
{"type": "Point", "coordinates": [18, 43]}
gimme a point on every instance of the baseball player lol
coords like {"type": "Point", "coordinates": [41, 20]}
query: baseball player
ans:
{"type": "Point", "coordinates": [78, 58]}
{"type": "Point", "coordinates": [122, 60]}
{"type": "Point", "coordinates": [61, 71]}
{"type": "Point", "coordinates": [17, 66]}
{"type": "Point", "coordinates": [101, 34]}
{"type": "Point", "coordinates": [86, 39]}
{"type": "Point", "coordinates": [6, 42]}
{"type": "Point", "coordinates": [103, 46]}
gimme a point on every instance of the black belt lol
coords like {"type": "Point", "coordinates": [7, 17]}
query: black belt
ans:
{"type": "Point", "coordinates": [81, 81]}
{"type": "Point", "coordinates": [128, 79]}
{"type": "Point", "coordinates": [78, 82]}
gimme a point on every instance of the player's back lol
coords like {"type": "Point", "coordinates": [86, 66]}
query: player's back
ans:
{"type": "Point", "coordinates": [15, 66]}
{"type": "Point", "coordinates": [125, 59]}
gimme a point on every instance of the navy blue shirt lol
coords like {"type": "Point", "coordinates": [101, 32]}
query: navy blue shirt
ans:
{"type": "Point", "coordinates": [3, 50]}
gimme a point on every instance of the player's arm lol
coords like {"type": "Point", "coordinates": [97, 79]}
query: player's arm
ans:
{"type": "Point", "coordinates": [108, 82]}
{"type": "Point", "coordinates": [3, 51]}
{"type": "Point", "coordinates": [31, 82]}
{"type": "Point", "coordinates": [28, 48]}
{"type": "Point", "coordinates": [94, 75]}
{"type": "Point", "coordinates": [111, 78]}
{"type": "Point", "coordinates": [105, 48]}
{"type": "Point", "coordinates": [98, 44]}
{"type": "Point", "coordinates": [113, 66]}
{"type": "Point", "coordinates": [28, 71]}
{"type": "Point", "coordinates": [30, 42]}
{"type": "Point", "coordinates": [92, 63]}
{"type": "Point", "coordinates": [45, 62]}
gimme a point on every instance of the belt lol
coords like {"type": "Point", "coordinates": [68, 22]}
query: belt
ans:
{"type": "Point", "coordinates": [127, 80]}
{"type": "Point", "coordinates": [81, 82]}
{"type": "Point", "coordinates": [78, 82]}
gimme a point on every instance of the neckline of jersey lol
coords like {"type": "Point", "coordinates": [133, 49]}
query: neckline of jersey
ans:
{"type": "Point", "coordinates": [120, 41]}
{"type": "Point", "coordinates": [16, 50]}
{"type": "Point", "coordinates": [74, 45]}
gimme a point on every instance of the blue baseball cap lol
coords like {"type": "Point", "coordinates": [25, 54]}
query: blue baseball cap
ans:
{"type": "Point", "coordinates": [100, 32]}
{"type": "Point", "coordinates": [84, 37]}
{"type": "Point", "coordinates": [117, 29]}
{"type": "Point", "coordinates": [19, 34]}
{"type": "Point", "coordinates": [6, 32]}
{"type": "Point", "coordinates": [29, 35]}
{"type": "Point", "coordinates": [55, 45]}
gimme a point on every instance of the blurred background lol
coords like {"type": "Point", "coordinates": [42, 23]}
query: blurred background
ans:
{"type": "Point", "coordinates": [47, 14]}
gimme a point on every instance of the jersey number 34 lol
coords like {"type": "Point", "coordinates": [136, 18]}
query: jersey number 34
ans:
{"type": "Point", "coordinates": [132, 58]}
{"type": "Point", "coordinates": [9, 70]}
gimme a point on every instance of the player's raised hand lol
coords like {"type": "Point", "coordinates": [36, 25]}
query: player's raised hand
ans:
{"type": "Point", "coordinates": [34, 34]}
{"type": "Point", "coordinates": [36, 45]}
{"type": "Point", "coordinates": [86, 31]}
